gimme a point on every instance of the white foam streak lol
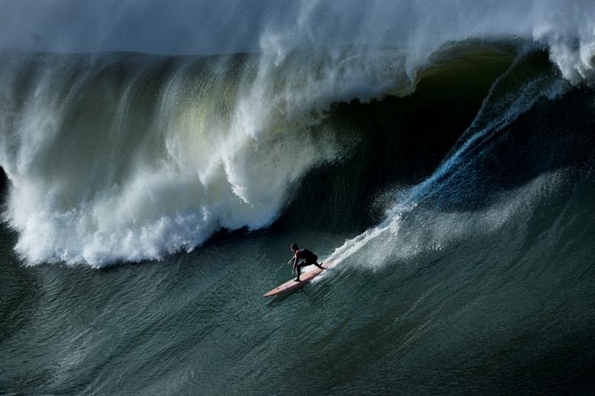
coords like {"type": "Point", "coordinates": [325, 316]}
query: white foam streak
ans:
{"type": "Point", "coordinates": [413, 232]}
{"type": "Point", "coordinates": [383, 243]}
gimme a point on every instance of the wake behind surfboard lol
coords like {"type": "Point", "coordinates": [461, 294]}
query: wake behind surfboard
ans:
{"type": "Point", "coordinates": [305, 278]}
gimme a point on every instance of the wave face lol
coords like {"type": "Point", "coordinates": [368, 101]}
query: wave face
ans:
{"type": "Point", "coordinates": [128, 157]}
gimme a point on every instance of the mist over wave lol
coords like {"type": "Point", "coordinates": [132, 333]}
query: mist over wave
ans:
{"type": "Point", "coordinates": [565, 28]}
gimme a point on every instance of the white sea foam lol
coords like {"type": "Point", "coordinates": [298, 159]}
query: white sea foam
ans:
{"type": "Point", "coordinates": [107, 182]}
{"type": "Point", "coordinates": [104, 169]}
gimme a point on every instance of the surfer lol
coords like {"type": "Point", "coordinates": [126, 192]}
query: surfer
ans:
{"type": "Point", "coordinates": [302, 254]}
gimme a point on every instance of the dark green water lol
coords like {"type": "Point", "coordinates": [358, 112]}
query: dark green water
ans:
{"type": "Point", "coordinates": [467, 263]}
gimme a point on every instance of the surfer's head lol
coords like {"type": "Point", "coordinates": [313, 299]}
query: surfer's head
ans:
{"type": "Point", "coordinates": [294, 247]}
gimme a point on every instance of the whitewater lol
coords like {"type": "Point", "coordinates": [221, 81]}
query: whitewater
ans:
{"type": "Point", "coordinates": [124, 158]}
{"type": "Point", "coordinates": [158, 159]}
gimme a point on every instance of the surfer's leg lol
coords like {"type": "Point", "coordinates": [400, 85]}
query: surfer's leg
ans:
{"type": "Point", "coordinates": [297, 269]}
{"type": "Point", "coordinates": [315, 262]}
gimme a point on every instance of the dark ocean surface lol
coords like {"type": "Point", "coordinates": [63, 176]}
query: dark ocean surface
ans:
{"type": "Point", "coordinates": [150, 201]}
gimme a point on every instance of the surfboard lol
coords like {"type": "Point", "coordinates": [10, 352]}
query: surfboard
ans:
{"type": "Point", "coordinates": [305, 278]}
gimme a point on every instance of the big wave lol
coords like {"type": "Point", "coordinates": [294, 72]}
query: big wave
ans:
{"type": "Point", "coordinates": [128, 157]}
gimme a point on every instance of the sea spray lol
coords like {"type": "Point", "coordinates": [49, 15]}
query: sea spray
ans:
{"type": "Point", "coordinates": [130, 172]}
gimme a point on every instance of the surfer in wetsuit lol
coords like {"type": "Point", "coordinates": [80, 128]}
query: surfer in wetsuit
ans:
{"type": "Point", "coordinates": [302, 254]}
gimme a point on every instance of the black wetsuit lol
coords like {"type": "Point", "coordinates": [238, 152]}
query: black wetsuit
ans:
{"type": "Point", "coordinates": [308, 257]}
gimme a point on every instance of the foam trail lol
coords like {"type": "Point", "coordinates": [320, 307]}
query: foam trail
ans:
{"type": "Point", "coordinates": [498, 111]}
{"type": "Point", "coordinates": [484, 128]}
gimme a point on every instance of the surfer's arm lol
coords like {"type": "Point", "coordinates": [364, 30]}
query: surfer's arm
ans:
{"type": "Point", "coordinates": [294, 260]}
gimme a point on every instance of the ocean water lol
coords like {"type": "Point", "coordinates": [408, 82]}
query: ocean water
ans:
{"type": "Point", "coordinates": [149, 201]}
